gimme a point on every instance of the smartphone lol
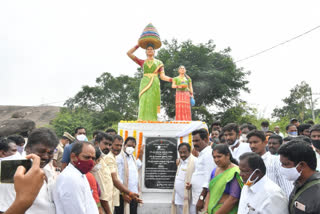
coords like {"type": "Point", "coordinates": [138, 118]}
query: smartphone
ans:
{"type": "Point", "coordinates": [8, 169]}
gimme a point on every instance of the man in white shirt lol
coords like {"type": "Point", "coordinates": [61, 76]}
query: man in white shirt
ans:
{"type": "Point", "coordinates": [231, 135]}
{"type": "Point", "coordinates": [259, 195]}
{"type": "Point", "coordinates": [258, 143]}
{"type": "Point", "coordinates": [128, 169]}
{"type": "Point", "coordinates": [41, 142]}
{"type": "Point", "coordinates": [181, 197]}
{"type": "Point", "coordinates": [72, 191]}
{"type": "Point", "coordinates": [111, 162]}
{"type": "Point", "coordinates": [277, 131]}
{"type": "Point", "coordinates": [203, 169]}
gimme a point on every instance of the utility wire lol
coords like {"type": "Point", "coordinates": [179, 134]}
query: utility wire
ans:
{"type": "Point", "coordinates": [45, 104]}
{"type": "Point", "coordinates": [246, 58]}
{"type": "Point", "coordinates": [275, 46]}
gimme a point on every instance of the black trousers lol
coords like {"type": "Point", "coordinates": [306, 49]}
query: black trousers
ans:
{"type": "Point", "coordinates": [120, 209]}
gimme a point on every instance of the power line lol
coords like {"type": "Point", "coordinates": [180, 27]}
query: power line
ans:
{"type": "Point", "coordinates": [275, 46]}
{"type": "Point", "coordinates": [45, 104]}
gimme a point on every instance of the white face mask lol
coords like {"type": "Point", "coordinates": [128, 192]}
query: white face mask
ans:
{"type": "Point", "coordinates": [249, 181]}
{"type": "Point", "coordinates": [129, 150]}
{"type": "Point", "coordinates": [96, 168]}
{"type": "Point", "coordinates": [234, 144]}
{"type": "Point", "coordinates": [20, 149]}
{"type": "Point", "coordinates": [243, 138]}
{"type": "Point", "coordinates": [82, 137]}
{"type": "Point", "coordinates": [291, 174]}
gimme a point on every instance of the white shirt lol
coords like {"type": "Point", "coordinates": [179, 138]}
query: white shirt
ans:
{"type": "Point", "coordinates": [318, 161]}
{"type": "Point", "coordinates": [43, 202]}
{"type": "Point", "coordinates": [241, 149]}
{"type": "Point", "coordinates": [201, 176]}
{"type": "Point", "coordinates": [133, 167]}
{"type": "Point", "coordinates": [273, 165]}
{"type": "Point", "coordinates": [72, 193]}
{"type": "Point", "coordinates": [263, 197]}
{"type": "Point", "coordinates": [180, 181]}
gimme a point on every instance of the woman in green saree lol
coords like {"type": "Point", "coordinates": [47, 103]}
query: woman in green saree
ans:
{"type": "Point", "coordinates": [149, 92]}
{"type": "Point", "coordinates": [225, 185]}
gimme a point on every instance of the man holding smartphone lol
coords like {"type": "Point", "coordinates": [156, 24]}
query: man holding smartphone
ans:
{"type": "Point", "coordinates": [41, 142]}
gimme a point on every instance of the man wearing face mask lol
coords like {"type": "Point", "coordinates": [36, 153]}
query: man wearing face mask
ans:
{"type": "Point", "coordinates": [258, 143]}
{"type": "Point", "coordinates": [80, 135]}
{"type": "Point", "coordinates": [128, 168]}
{"type": "Point", "coordinates": [72, 191]}
{"type": "Point", "coordinates": [231, 135]}
{"type": "Point", "coordinates": [315, 139]}
{"type": "Point", "coordinates": [20, 141]}
{"type": "Point", "coordinates": [259, 194]}
{"type": "Point", "coordinates": [264, 126]}
{"type": "Point", "coordinates": [8, 149]}
{"type": "Point", "coordinates": [94, 186]}
{"type": "Point", "coordinates": [118, 187]}
{"type": "Point", "coordinates": [299, 166]}
{"type": "Point", "coordinates": [41, 142]}
{"type": "Point", "coordinates": [292, 130]}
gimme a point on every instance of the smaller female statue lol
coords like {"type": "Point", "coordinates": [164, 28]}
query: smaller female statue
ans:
{"type": "Point", "coordinates": [184, 91]}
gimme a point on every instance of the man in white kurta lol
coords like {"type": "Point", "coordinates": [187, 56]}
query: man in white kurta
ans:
{"type": "Point", "coordinates": [72, 192]}
{"type": "Point", "coordinates": [41, 142]}
{"type": "Point", "coordinates": [259, 195]}
{"type": "Point", "coordinates": [181, 198]}
{"type": "Point", "coordinates": [263, 197]}
{"type": "Point", "coordinates": [203, 168]}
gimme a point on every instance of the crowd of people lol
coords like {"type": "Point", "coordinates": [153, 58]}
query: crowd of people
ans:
{"type": "Point", "coordinates": [231, 169]}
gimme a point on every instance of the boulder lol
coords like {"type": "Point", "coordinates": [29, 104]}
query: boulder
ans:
{"type": "Point", "coordinates": [16, 126]}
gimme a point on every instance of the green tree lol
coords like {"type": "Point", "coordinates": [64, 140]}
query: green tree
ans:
{"type": "Point", "coordinates": [240, 114]}
{"type": "Point", "coordinates": [111, 95]}
{"type": "Point", "coordinates": [297, 104]}
{"type": "Point", "coordinates": [216, 79]}
{"type": "Point", "coordinates": [68, 119]}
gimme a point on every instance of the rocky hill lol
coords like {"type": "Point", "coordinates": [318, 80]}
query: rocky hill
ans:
{"type": "Point", "coordinates": [41, 115]}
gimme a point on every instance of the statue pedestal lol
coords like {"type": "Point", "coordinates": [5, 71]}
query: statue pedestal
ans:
{"type": "Point", "coordinates": [157, 175]}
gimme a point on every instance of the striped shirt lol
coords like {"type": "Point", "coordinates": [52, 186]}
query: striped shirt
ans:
{"type": "Point", "coordinates": [273, 165]}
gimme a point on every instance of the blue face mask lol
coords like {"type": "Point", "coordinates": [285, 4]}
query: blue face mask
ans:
{"type": "Point", "coordinates": [293, 134]}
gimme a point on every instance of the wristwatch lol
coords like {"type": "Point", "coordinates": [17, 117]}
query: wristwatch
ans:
{"type": "Point", "coordinates": [201, 197]}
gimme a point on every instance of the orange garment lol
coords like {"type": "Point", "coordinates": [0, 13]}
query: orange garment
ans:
{"type": "Point", "coordinates": [94, 188]}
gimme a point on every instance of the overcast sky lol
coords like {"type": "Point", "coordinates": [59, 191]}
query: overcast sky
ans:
{"type": "Point", "coordinates": [50, 49]}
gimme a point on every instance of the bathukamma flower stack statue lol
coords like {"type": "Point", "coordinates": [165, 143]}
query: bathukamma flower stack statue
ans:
{"type": "Point", "coordinates": [149, 35]}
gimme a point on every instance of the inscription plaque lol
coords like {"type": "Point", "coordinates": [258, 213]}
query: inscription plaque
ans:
{"type": "Point", "coordinates": [160, 162]}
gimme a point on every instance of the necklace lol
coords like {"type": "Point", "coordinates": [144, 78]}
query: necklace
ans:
{"type": "Point", "coordinates": [149, 62]}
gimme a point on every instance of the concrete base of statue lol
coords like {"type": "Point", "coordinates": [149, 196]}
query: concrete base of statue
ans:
{"type": "Point", "coordinates": [160, 141]}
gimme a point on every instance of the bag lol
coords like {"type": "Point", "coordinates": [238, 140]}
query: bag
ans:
{"type": "Point", "coordinates": [192, 101]}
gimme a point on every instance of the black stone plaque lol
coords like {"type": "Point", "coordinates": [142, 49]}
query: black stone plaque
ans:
{"type": "Point", "coordinates": [160, 162]}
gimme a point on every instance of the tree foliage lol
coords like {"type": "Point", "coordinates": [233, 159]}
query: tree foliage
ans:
{"type": "Point", "coordinates": [216, 79]}
{"type": "Point", "coordinates": [297, 104]}
{"type": "Point", "coordinates": [67, 120]}
{"type": "Point", "coordinates": [115, 95]}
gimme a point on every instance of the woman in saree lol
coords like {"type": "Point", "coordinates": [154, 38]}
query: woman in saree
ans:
{"type": "Point", "coordinates": [184, 91]}
{"type": "Point", "coordinates": [149, 92]}
{"type": "Point", "coordinates": [225, 185]}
